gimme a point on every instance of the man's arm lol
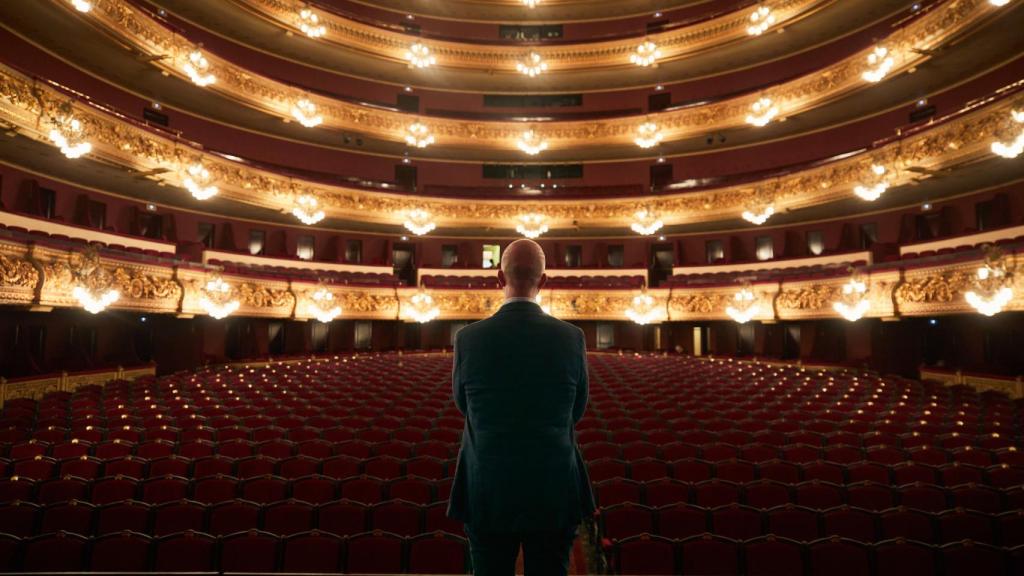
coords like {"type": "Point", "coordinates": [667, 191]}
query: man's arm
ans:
{"type": "Point", "coordinates": [582, 384]}
{"type": "Point", "coordinates": [457, 390]}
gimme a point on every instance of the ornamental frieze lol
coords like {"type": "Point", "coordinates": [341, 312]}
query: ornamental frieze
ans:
{"type": "Point", "coordinates": [18, 279]}
{"type": "Point", "coordinates": [934, 288]}
{"type": "Point", "coordinates": [254, 295]}
{"type": "Point", "coordinates": [812, 297]}
{"type": "Point", "coordinates": [792, 97]}
{"type": "Point", "coordinates": [367, 302]}
{"type": "Point", "coordinates": [135, 284]}
{"type": "Point", "coordinates": [712, 303]}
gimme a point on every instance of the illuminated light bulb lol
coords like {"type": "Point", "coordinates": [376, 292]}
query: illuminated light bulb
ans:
{"type": "Point", "coordinates": [533, 65]}
{"type": "Point", "coordinates": [646, 54]}
{"type": "Point", "coordinates": [762, 112]}
{"type": "Point", "coordinates": [644, 310]}
{"type": "Point", "coordinates": [305, 112]}
{"type": "Point", "coordinates": [999, 3]}
{"type": "Point", "coordinates": [418, 135]}
{"type": "Point", "coordinates": [216, 299]}
{"type": "Point", "coordinates": [745, 307]}
{"type": "Point", "coordinates": [646, 223]}
{"type": "Point", "coordinates": [531, 3]}
{"type": "Point", "coordinates": [307, 209]}
{"type": "Point", "coordinates": [419, 222]}
{"type": "Point", "coordinates": [198, 181]}
{"type": "Point", "coordinates": [1015, 148]}
{"type": "Point", "coordinates": [197, 67]}
{"type": "Point", "coordinates": [532, 225]}
{"type": "Point", "coordinates": [92, 303]}
{"type": "Point", "coordinates": [309, 23]}
{"type": "Point", "coordinates": [648, 135]}
{"type": "Point", "coordinates": [531, 143]}
{"type": "Point", "coordinates": [69, 137]}
{"type": "Point", "coordinates": [83, 6]}
{"type": "Point", "coordinates": [760, 20]}
{"type": "Point", "coordinates": [323, 307]}
{"type": "Point", "coordinates": [422, 308]}
{"type": "Point", "coordinates": [759, 218]}
{"type": "Point", "coordinates": [854, 305]}
{"type": "Point", "coordinates": [419, 56]}
{"type": "Point", "coordinates": [880, 63]}
{"type": "Point", "coordinates": [874, 191]}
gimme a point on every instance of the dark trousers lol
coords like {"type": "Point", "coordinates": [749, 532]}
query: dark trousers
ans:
{"type": "Point", "coordinates": [544, 553]}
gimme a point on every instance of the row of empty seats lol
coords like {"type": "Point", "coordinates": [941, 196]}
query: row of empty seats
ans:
{"type": "Point", "coordinates": [383, 279]}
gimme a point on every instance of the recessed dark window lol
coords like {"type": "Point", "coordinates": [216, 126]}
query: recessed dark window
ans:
{"type": "Point", "coordinates": [151, 226]}
{"type": "Point", "coordinates": [257, 242]}
{"type": "Point", "coordinates": [449, 255]}
{"type": "Point", "coordinates": [47, 202]}
{"type": "Point", "coordinates": [409, 103]}
{"type": "Point", "coordinates": [661, 175]}
{"type": "Point", "coordinates": [363, 337]}
{"type": "Point", "coordinates": [868, 235]}
{"type": "Point", "coordinates": [305, 247]}
{"type": "Point", "coordinates": [97, 214]}
{"type": "Point", "coordinates": [206, 234]}
{"type": "Point", "coordinates": [714, 251]}
{"type": "Point", "coordinates": [405, 176]}
{"type": "Point", "coordinates": [532, 100]}
{"type": "Point", "coordinates": [616, 256]}
{"type": "Point", "coordinates": [573, 256]}
{"type": "Point", "coordinates": [815, 242]}
{"type": "Point", "coordinates": [605, 336]}
{"type": "Point", "coordinates": [154, 117]}
{"type": "Point", "coordinates": [532, 171]}
{"type": "Point", "coordinates": [764, 248]}
{"type": "Point", "coordinates": [354, 251]}
{"type": "Point", "coordinates": [659, 101]}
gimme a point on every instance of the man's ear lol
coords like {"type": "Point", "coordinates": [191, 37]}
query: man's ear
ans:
{"type": "Point", "coordinates": [543, 281]}
{"type": "Point", "coordinates": [501, 278]}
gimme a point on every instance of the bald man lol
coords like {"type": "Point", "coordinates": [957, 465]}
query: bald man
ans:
{"type": "Point", "coordinates": [520, 378]}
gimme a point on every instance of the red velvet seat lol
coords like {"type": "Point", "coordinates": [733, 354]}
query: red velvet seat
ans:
{"type": "Point", "coordinates": [123, 551]}
{"type": "Point", "coordinates": [793, 522]}
{"type": "Point", "coordinates": [186, 552]}
{"type": "Point", "coordinates": [838, 557]}
{"type": "Point", "coordinates": [180, 516]}
{"type": "Point", "coordinates": [645, 554]}
{"type": "Point", "coordinates": [19, 518]}
{"type": "Point", "coordinates": [374, 552]}
{"type": "Point", "coordinates": [625, 520]}
{"type": "Point", "coordinates": [123, 516]}
{"type": "Point", "coordinates": [342, 518]}
{"type": "Point", "coordinates": [437, 553]}
{"type": "Point", "coordinates": [74, 516]}
{"type": "Point", "coordinates": [231, 517]}
{"type": "Point", "coordinates": [681, 521]}
{"type": "Point", "coordinates": [249, 551]}
{"type": "Point", "coordinates": [288, 517]}
{"type": "Point", "coordinates": [58, 552]}
{"type": "Point", "coordinates": [773, 556]}
{"type": "Point", "coordinates": [312, 552]}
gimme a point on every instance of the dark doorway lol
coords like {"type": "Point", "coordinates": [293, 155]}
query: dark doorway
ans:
{"type": "Point", "coordinates": [661, 175]}
{"type": "Point", "coordinates": [791, 341]}
{"type": "Point", "coordinates": [662, 260]}
{"type": "Point", "coordinates": [404, 263]}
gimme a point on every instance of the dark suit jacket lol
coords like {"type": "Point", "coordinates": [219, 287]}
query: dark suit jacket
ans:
{"type": "Point", "coordinates": [520, 378]}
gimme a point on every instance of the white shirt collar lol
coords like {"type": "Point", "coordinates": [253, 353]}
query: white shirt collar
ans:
{"type": "Point", "coordinates": [518, 299]}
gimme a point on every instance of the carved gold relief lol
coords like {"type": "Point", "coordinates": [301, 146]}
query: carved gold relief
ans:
{"type": "Point", "coordinates": [814, 297]}
{"type": "Point", "coordinates": [253, 295]}
{"type": "Point", "coordinates": [935, 288]}
{"type": "Point", "coordinates": [702, 303]}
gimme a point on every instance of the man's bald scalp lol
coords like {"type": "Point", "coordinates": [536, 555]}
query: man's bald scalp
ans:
{"type": "Point", "coordinates": [523, 264]}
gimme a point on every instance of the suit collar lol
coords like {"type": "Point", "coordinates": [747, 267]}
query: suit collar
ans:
{"type": "Point", "coordinates": [520, 306]}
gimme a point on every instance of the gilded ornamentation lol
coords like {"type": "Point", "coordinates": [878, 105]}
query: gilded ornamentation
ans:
{"type": "Point", "coordinates": [356, 303]}
{"type": "Point", "coordinates": [463, 303]}
{"type": "Point", "coordinates": [137, 285]}
{"type": "Point", "coordinates": [17, 272]}
{"type": "Point", "coordinates": [254, 295]}
{"type": "Point", "coordinates": [700, 303]}
{"type": "Point", "coordinates": [935, 288]}
{"type": "Point", "coordinates": [814, 297]}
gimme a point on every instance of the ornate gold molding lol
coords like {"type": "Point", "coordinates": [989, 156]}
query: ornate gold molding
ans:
{"type": "Point", "coordinates": [28, 106]}
{"type": "Point", "coordinates": [909, 47]}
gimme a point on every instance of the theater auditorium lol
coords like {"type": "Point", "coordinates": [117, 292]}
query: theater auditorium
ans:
{"type": "Point", "coordinates": [239, 238]}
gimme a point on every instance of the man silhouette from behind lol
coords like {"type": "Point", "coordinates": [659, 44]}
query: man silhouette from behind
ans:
{"type": "Point", "coordinates": [520, 378]}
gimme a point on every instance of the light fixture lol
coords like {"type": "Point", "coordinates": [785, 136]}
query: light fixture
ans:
{"type": "Point", "coordinates": [853, 302]}
{"type": "Point", "coordinates": [760, 20]}
{"type": "Point", "coordinates": [532, 225]}
{"type": "Point", "coordinates": [419, 56]}
{"type": "Point", "coordinates": [880, 63]}
{"type": "Point", "coordinates": [648, 135]}
{"type": "Point", "coordinates": [422, 308]}
{"type": "Point", "coordinates": [872, 192]}
{"type": "Point", "coordinates": [418, 135]}
{"type": "Point", "coordinates": [999, 3]}
{"type": "Point", "coordinates": [307, 209]}
{"type": "Point", "coordinates": [304, 111]}
{"type": "Point", "coordinates": [762, 112]}
{"type": "Point", "coordinates": [323, 306]}
{"type": "Point", "coordinates": [758, 218]}
{"type": "Point", "coordinates": [418, 222]}
{"type": "Point", "coordinates": [531, 143]}
{"type": "Point", "coordinates": [531, 3]}
{"type": "Point", "coordinates": [532, 65]}
{"type": "Point", "coordinates": [646, 54]}
{"type": "Point", "coordinates": [92, 302]}
{"type": "Point", "coordinates": [645, 310]}
{"type": "Point", "coordinates": [68, 135]}
{"type": "Point", "coordinates": [82, 5]}
{"type": "Point", "coordinates": [646, 222]}
{"type": "Point", "coordinates": [1013, 149]}
{"type": "Point", "coordinates": [198, 181]}
{"type": "Point", "coordinates": [744, 306]}
{"type": "Point", "coordinates": [216, 299]}
{"type": "Point", "coordinates": [310, 24]}
{"type": "Point", "coordinates": [992, 286]}
{"type": "Point", "coordinates": [197, 67]}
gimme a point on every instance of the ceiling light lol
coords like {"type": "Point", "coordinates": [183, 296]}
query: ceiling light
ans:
{"type": "Point", "coordinates": [762, 112]}
{"type": "Point", "coordinates": [880, 63]}
{"type": "Point", "coordinates": [531, 143]}
{"type": "Point", "coordinates": [421, 308]}
{"type": "Point", "coordinates": [419, 56]}
{"type": "Point", "coordinates": [744, 306]}
{"type": "Point", "coordinates": [305, 112]}
{"type": "Point", "coordinates": [198, 181]}
{"type": "Point", "coordinates": [761, 217]}
{"type": "Point", "coordinates": [532, 225]}
{"type": "Point", "coordinates": [872, 192]}
{"type": "Point", "coordinates": [646, 54]}
{"type": "Point", "coordinates": [82, 5]}
{"type": "Point", "coordinates": [532, 65]}
{"type": "Point", "coordinates": [648, 135]}
{"type": "Point", "coordinates": [419, 222]}
{"type": "Point", "coordinates": [646, 222]}
{"type": "Point", "coordinates": [310, 24]}
{"type": "Point", "coordinates": [307, 209]}
{"type": "Point", "coordinates": [531, 3]}
{"type": "Point", "coordinates": [1014, 148]}
{"type": "Point", "coordinates": [92, 302]}
{"type": "Point", "coordinates": [322, 306]}
{"type": "Point", "coordinates": [760, 20]}
{"type": "Point", "coordinates": [68, 135]}
{"type": "Point", "coordinates": [197, 67]}
{"type": "Point", "coordinates": [999, 3]}
{"type": "Point", "coordinates": [418, 135]}
{"type": "Point", "coordinates": [992, 289]}
{"type": "Point", "coordinates": [644, 310]}
{"type": "Point", "coordinates": [216, 299]}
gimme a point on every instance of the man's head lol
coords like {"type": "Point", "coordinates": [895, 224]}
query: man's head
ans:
{"type": "Point", "coordinates": [522, 269]}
